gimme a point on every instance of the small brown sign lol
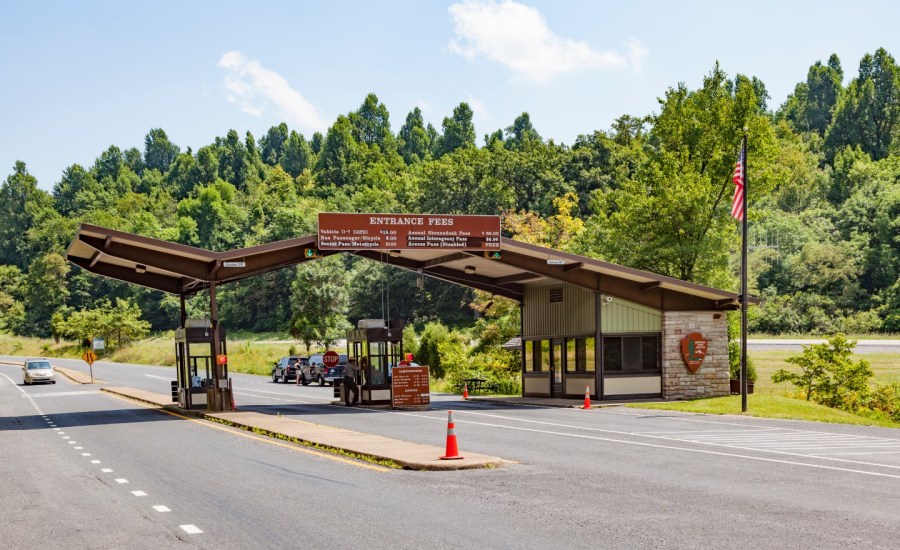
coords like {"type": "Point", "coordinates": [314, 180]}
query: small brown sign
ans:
{"type": "Point", "coordinates": [343, 231]}
{"type": "Point", "coordinates": [410, 387]}
{"type": "Point", "coordinates": [693, 350]}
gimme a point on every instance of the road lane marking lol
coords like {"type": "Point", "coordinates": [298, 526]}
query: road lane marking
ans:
{"type": "Point", "coordinates": [121, 480]}
{"type": "Point", "coordinates": [95, 462]}
{"type": "Point", "coordinates": [14, 384]}
{"type": "Point", "coordinates": [463, 414]}
{"type": "Point", "coordinates": [106, 470]}
{"type": "Point", "coordinates": [72, 442]}
{"type": "Point", "coordinates": [64, 393]}
{"type": "Point", "coordinates": [139, 493]}
{"type": "Point", "coordinates": [78, 448]}
{"type": "Point", "coordinates": [161, 508]}
{"type": "Point", "coordinates": [85, 454]}
{"type": "Point", "coordinates": [700, 451]}
{"type": "Point", "coordinates": [66, 437]}
{"type": "Point", "coordinates": [190, 529]}
{"type": "Point", "coordinates": [291, 446]}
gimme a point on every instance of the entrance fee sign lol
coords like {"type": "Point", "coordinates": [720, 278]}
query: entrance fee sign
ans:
{"type": "Point", "coordinates": [410, 387]}
{"type": "Point", "coordinates": [339, 231]}
{"type": "Point", "coordinates": [331, 358]}
{"type": "Point", "coordinates": [693, 350]}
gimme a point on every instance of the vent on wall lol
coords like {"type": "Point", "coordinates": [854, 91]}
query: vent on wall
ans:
{"type": "Point", "coordinates": [556, 295]}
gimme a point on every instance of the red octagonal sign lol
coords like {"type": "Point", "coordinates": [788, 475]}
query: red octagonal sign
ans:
{"type": "Point", "coordinates": [331, 358]}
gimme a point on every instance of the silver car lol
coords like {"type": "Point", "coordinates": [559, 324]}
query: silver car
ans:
{"type": "Point", "coordinates": [38, 370]}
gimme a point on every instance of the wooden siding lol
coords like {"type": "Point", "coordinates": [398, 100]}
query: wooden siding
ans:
{"type": "Point", "coordinates": [574, 315]}
{"type": "Point", "coordinates": [622, 316]}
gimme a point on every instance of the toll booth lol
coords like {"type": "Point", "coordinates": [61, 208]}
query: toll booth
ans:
{"type": "Point", "coordinates": [377, 346]}
{"type": "Point", "coordinates": [202, 382]}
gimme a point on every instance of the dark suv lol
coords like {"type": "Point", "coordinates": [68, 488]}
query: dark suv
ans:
{"type": "Point", "coordinates": [285, 370]}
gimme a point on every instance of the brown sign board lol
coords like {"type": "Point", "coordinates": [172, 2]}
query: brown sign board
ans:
{"type": "Point", "coordinates": [340, 231]}
{"type": "Point", "coordinates": [410, 387]}
{"type": "Point", "coordinates": [693, 350]}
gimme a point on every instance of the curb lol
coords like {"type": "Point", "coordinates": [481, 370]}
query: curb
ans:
{"type": "Point", "coordinates": [357, 453]}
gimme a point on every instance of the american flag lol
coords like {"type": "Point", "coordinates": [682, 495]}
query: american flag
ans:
{"type": "Point", "coordinates": [737, 205]}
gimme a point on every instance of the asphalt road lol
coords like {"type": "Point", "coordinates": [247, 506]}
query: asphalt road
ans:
{"type": "Point", "coordinates": [608, 478]}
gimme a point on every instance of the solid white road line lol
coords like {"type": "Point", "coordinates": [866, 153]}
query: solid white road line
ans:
{"type": "Point", "coordinates": [190, 529]}
{"type": "Point", "coordinates": [13, 383]}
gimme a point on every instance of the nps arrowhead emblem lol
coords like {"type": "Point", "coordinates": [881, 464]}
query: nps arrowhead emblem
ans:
{"type": "Point", "coordinates": [693, 350]}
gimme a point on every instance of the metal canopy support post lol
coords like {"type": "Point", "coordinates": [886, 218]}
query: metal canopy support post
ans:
{"type": "Point", "coordinates": [218, 403]}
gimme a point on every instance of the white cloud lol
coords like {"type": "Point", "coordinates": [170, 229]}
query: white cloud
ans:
{"type": "Point", "coordinates": [517, 36]}
{"type": "Point", "coordinates": [254, 87]}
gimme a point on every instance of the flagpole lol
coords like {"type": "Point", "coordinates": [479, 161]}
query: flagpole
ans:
{"type": "Point", "coordinates": [744, 278]}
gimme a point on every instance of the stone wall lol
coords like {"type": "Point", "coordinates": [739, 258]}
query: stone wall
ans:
{"type": "Point", "coordinates": [711, 379]}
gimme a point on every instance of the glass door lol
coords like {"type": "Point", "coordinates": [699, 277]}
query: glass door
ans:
{"type": "Point", "coordinates": [557, 367]}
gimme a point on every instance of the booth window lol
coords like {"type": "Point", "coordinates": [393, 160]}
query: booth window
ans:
{"type": "Point", "coordinates": [631, 354]}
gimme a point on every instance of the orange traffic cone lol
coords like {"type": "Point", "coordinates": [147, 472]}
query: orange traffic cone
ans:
{"type": "Point", "coordinates": [465, 391]}
{"type": "Point", "coordinates": [231, 391]}
{"type": "Point", "coordinates": [452, 449]}
{"type": "Point", "coordinates": [587, 397]}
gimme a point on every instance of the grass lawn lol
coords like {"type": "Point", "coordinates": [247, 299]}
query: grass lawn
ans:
{"type": "Point", "coordinates": [771, 400]}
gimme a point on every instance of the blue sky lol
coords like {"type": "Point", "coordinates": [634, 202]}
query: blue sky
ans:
{"type": "Point", "coordinates": [78, 77]}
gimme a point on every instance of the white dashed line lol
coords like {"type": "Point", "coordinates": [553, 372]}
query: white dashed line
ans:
{"type": "Point", "coordinates": [72, 442]}
{"type": "Point", "coordinates": [139, 493]}
{"type": "Point", "coordinates": [190, 529]}
{"type": "Point", "coordinates": [121, 480]}
{"type": "Point", "coordinates": [106, 470]}
{"type": "Point", "coordinates": [85, 454]}
{"type": "Point", "coordinates": [78, 448]}
{"type": "Point", "coordinates": [95, 462]}
{"type": "Point", "coordinates": [67, 437]}
{"type": "Point", "coordinates": [161, 508]}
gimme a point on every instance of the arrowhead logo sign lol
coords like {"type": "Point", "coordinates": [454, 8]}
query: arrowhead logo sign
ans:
{"type": "Point", "coordinates": [693, 350]}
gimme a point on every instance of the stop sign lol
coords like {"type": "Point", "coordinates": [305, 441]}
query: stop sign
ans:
{"type": "Point", "coordinates": [331, 358]}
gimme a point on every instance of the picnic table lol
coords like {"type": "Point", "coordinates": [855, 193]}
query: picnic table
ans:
{"type": "Point", "coordinates": [474, 384]}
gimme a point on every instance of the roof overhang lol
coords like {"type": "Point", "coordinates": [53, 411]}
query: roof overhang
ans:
{"type": "Point", "coordinates": [181, 269]}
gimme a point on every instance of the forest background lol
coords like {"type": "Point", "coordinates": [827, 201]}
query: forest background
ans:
{"type": "Point", "coordinates": [653, 192]}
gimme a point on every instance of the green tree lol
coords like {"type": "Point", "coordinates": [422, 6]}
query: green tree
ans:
{"type": "Point", "coordinates": [273, 143]}
{"type": "Point", "coordinates": [868, 112]}
{"type": "Point", "coordinates": [415, 143]}
{"type": "Point", "coordinates": [320, 302]}
{"type": "Point", "coordinates": [159, 152]}
{"type": "Point", "coordinates": [672, 217]}
{"type": "Point", "coordinates": [45, 291]}
{"type": "Point", "coordinates": [297, 155]}
{"type": "Point", "coordinates": [827, 374]}
{"type": "Point", "coordinates": [459, 131]}
{"type": "Point", "coordinates": [522, 135]}
{"type": "Point", "coordinates": [22, 205]}
{"type": "Point", "coordinates": [372, 125]}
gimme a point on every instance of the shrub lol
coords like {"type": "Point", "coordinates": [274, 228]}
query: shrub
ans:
{"type": "Point", "coordinates": [734, 363]}
{"type": "Point", "coordinates": [827, 374]}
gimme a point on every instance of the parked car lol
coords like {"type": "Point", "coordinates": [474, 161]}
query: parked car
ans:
{"type": "Point", "coordinates": [38, 370]}
{"type": "Point", "coordinates": [316, 371]}
{"type": "Point", "coordinates": [285, 370]}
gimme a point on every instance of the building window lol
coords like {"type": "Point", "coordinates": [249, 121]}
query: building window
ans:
{"type": "Point", "coordinates": [537, 355]}
{"type": "Point", "coordinates": [631, 354]}
{"type": "Point", "coordinates": [580, 355]}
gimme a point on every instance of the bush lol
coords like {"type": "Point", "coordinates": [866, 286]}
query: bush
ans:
{"type": "Point", "coordinates": [828, 376]}
{"type": "Point", "coordinates": [734, 363]}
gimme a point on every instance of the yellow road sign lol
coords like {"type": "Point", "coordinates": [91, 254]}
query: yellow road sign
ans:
{"type": "Point", "coordinates": [89, 357]}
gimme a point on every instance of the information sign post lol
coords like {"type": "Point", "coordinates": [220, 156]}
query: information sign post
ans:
{"type": "Point", "coordinates": [410, 387]}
